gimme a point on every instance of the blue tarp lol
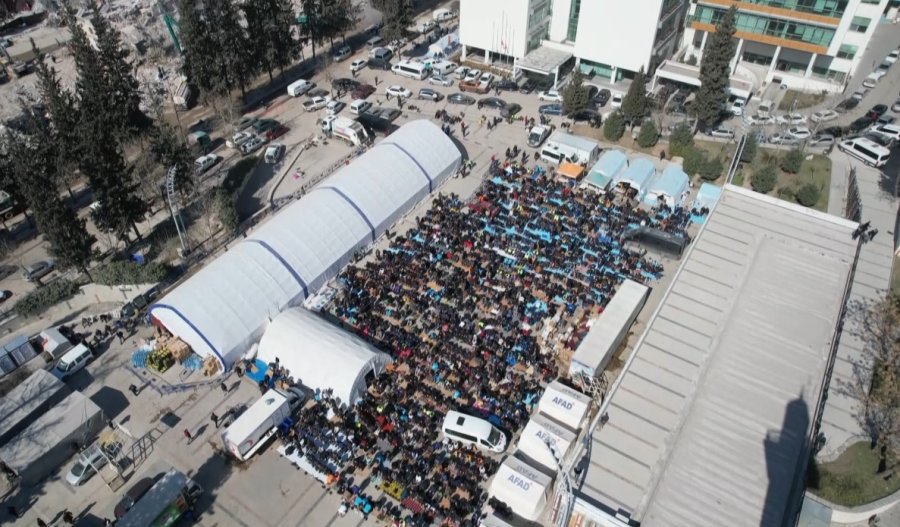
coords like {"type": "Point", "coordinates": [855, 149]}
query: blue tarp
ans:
{"type": "Point", "coordinates": [637, 175]}
{"type": "Point", "coordinates": [708, 195]}
{"type": "Point", "coordinates": [603, 171]}
{"type": "Point", "coordinates": [671, 184]}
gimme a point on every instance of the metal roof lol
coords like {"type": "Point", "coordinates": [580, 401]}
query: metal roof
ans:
{"type": "Point", "coordinates": [544, 60]}
{"type": "Point", "coordinates": [708, 423]}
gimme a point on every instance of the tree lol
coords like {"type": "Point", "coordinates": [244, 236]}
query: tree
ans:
{"type": "Point", "coordinates": [792, 161]}
{"type": "Point", "coordinates": [340, 17]}
{"type": "Point", "coordinates": [270, 32]}
{"type": "Point", "coordinates": [715, 69]}
{"type": "Point", "coordinates": [614, 128]}
{"type": "Point", "coordinates": [649, 134]}
{"type": "Point", "coordinates": [169, 150]}
{"type": "Point", "coordinates": [711, 169]}
{"type": "Point", "coordinates": [681, 140]}
{"type": "Point", "coordinates": [635, 104]}
{"type": "Point", "coordinates": [750, 146]}
{"type": "Point", "coordinates": [764, 179]}
{"type": "Point", "coordinates": [397, 16]}
{"type": "Point", "coordinates": [694, 160]}
{"type": "Point", "coordinates": [227, 211]}
{"type": "Point", "coordinates": [808, 194]}
{"type": "Point", "coordinates": [575, 95]}
{"type": "Point", "coordinates": [875, 382]}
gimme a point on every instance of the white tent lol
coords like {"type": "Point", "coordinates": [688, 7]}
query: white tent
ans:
{"type": "Point", "coordinates": [223, 308]}
{"type": "Point", "coordinates": [566, 405]}
{"type": "Point", "coordinates": [540, 430]}
{"type": "Point", "coordinates": [320, 354]}
{"type": "Point", "coordinates": [524, 488]}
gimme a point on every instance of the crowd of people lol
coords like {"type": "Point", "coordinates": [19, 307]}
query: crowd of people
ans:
{"type": "Point", "coordinates": [471, 303]}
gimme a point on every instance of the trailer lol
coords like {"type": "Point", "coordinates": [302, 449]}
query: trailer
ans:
{"type": "Point", "coordinates": [564, 147]}
{"type": "Point", "coordinates": [253, 429]}
{"type": "Point", "coordinates": [28, 401]}
{"type": "Point", "coordinates": [346, 129]}
{"type": "Point", "coordinates": [166, 501]}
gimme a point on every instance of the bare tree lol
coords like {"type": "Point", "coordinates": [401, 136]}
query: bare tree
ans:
{"type": "Point", "coordinates": [876, 374]}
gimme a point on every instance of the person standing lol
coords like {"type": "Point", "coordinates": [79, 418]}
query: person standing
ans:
{"type": "Point", "coordinates": [214, 418]}
{"type": "Point", "coordinates": [224, 388]}
{"type": "Point", "coordinates": [41, 523]}
{"type": "Point", "coordinates": [133, 389]}
{"type": "Point", "coordinates": [68, 518]}
{"type": "Point", "coordinates": [188, 436]}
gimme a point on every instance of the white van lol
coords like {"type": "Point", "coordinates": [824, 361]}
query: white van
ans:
{"type": "Point", "coordinates": [381, 54]}
{"type": "Point", "coordinates": [413, 70]}
{"type": "Point", "coordinates": [359, 106]}
{"type": "Point", "coordinates": [442, 15]}
{"type": "Point", "coordinates": [72, 361]}
{"type": "Point", "coordinates": [298, 88]}
{"type": "Point", "coordinates": [444, 67]}
{"type": "Point", "coordinates": [473, 431]}
{"type": "Point", "coordinates": [765, 108]}
{"type": "Point", "coordinates": [866, 150]}
{"type": "Point", "coordinates": [374, 42]}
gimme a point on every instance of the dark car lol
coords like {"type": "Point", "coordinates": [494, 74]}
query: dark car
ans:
{"type": "Point", "coordinates": [862, 123]}
{"type": "Point", "coordinates": [362, 91]}
{"type": "Point", "coordinates": [510, 110]}
{"type": "Point", "coordinates": [528, 87]}
{"type": "Point", "coordinates": [834, 131]}
{"type": "Point", "coordinates": [506, 85]}
{"type": "Point", "coordinates": [847, 104]}
{"type": "Point", "coordinates": [379, 64]}
{"type": "Point", "coordinates": [550, 109]}
{"type": "Point", "coordinates": [276, 132]}
{"type": "Point", "coordinates": [346, 85]}
{"type": "Point", "coordinates": [878, 110]}
{"type": "Point", "coordinates": [135, 493]}
{"type": "Point", "coordinates": [880, 139]}
{"type": "Point", "coordinates": [317, 92]}
{"type": "Point", "coordinates": [602, 97]}
{"type": "Point", "coordinates": [593, 91]}
{"type": "Point", "coordinates": [375, 124]}
{"type": "Point", "coordinates": [491, 102]}
{"type": "Point", "coordinates": [461, 98]}
{"type": "Point", "coordinates": [591, 116]}
{"type": "Point", "coordinates": [430, 95]}
{"type": "Point", "coordinates": [264, 125]}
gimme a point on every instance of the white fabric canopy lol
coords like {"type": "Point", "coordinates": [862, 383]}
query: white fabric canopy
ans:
{"type": "Point", "coordinates": [223, 308]}
{"type": "Point", "coordinates": [541, 429]}
{"type": "Point", "coordinates": [524, 488]}
{"type": "Point", "coordinates": [566, 405]}
{"type": "Point", "coordinates": [320, 354]}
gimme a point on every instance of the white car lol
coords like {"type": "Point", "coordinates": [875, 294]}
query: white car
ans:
{"type": "Point", "coordinates": [204, 163]}
{"type": "Point", "coordinates": [791, 118]}
{"type": "Point", "coordinates": [892, 56]}
{"type": "Point", "coordinates": [252, 145]}
{"type": "Point", "coordinates": [550, 95]}
{"type": "Point", "coordinates": [758, 120]}
{"type": "Point", "coordinates": [314, 103]}
{"type": "Point", "coordinates": [334, 107]}
{"type": "Point", "coordinates": [472, 75]}
{"type": "Point", "coordinates": [723, 132]}
{"type": "Point", "coordinates": [440, 80]}
{"type": "Point", "coordinates": [616, 101]}
{"type": "Point", "coordinates": [358, 64]}
{"type": "Point", "coordinates": [859, 94]}
{"type": "Point", "coordinates": [87, 464]}
{"type": "Point", "coordinates": [896, 106]}
{"type": "Point", "coordinates": [398, 91]}
{"type": "Point", "coordinates": [799, 132]}
{"type": "Point", "coordinates": [487, 77]}
{"type": "Point", "coordinates": [823, 116]}
{"type": "Point", "coordinates": [359, 106]}
{"type": "Point", "coordinates": [274, 153]}
{"type": "Point", "coordinates": [737, 107]}
{"type": "Point", "coordinates": [342, 53]}
{"type": "Point", "coordinates": [238, 139]}
{"type": "Point", "coordinates": [461, 72]}
{"type": "Point", "coordinates": [783, 139]}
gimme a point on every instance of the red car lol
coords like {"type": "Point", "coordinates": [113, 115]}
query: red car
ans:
{"type": "Point", "coordinates": [363, 91]}
{"type": "Point", "coordinates": [276, 132]}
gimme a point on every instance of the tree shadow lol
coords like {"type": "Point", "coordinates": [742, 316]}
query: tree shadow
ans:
{"type": "Point", "coordinates": [211, 475]}
{"type": "Point", "coordinates": [112, 401]}
{"type": "Point", "coordinates": [786, 469]}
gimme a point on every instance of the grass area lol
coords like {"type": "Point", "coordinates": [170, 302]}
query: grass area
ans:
{"type": "Point", "coordinates": [850, 480]}
{"type": "Point", "coordinates": [816, 170]}
{"type": "Point", "coordinates": [714, 149]}
{"type": "Point", "coordinates": [803, 100]}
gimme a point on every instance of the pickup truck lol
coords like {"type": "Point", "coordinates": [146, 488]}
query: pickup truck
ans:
{"type": "Point", "coordinates": [315, 103]}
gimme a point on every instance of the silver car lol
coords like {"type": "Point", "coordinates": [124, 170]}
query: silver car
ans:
{"type": "Point", "coordinates": [440, 80]}
{"type": "Point", "coordinates": [783, 139]}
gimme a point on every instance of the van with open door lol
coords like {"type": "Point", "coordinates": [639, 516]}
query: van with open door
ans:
{"type": "Point", "coordinates": [473, 431]}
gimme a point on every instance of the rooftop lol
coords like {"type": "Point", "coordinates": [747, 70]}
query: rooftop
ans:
{"type": "Point", "coordinates": [708, 423]}
{"type": "Point", "coordinates": [544, 60]}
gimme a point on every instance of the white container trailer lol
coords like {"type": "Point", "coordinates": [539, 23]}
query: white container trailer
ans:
{"type": "Point", "coordinates": [253, 429]}
{"type": "Point", "coordinates": [609, 330]}
{"type": "Point", "coordinates": [562, 147]}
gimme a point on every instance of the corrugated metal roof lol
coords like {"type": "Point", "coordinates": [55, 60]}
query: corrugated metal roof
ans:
{"type": "Point", "coordinates": [708, 423]}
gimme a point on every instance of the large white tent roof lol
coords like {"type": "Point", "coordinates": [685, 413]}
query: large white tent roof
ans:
{"type": "Point", "coordinates": [223, 308]}
{"type": "Point", "coordinates": [320, 354]}
{"type": "Point", "coordinates": [541, 430]}
{"type": "Point", "coordinates": [522, 487]}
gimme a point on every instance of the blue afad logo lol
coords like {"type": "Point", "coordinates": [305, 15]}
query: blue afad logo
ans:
{"type": "Point", "coordinates": [519, 482]}
{"type": "Point", "coordinates": [559, 401]}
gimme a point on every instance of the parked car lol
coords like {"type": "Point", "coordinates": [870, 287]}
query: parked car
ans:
{"type": "Point", "coordinates": [345, 85]}
{"type": "Point", "coordinates": [550, 95]}
{"type": "Point", "coordinates": [799, 132]}
{"type": "Point", "coordinates": [472, 75]}
{"type": "Point", "coordinates": [847, 104]}
{"type": "Point", "coordinates": [264, 125]}
{"type": "Point", "coordinates": [878, 110]}
{"type": "Point", "coordinates": [359, 106]}
{"type": "Point", "coordinates": [334, 107]}
{"type": "Point", "coordinates": [38, 270]}
{"type": "Point", "coordinates": [722, 132]}
{"type": "Point", "coordinates": [318, 92]}
{"type": "Point", "coordinates": [342, 53]}
{"type": "Point", "coordinates": [376, 63]}
{"type": "Point", "coordinates": [886, 119]}
{"type": "Point", "coordinates": [358, 64]}
{"type": "Point", "coordinates": [859, 94]}
{"type": "Point", "coordinates": [363, 91]}
{"type": "Point", "coordinates": [823, 116]}
{"type": "Point", "coordinates": [861, 124]}
{"type": "Point", "coordinates": [616, 101]}
{"type": "Point", "coordinates": [134, 494]}
{"type": "Point", "coordinates": [791, 118]}
{"type": "Point", "coordinates": [252, 145]}
{"type": "Point", "coordinates": [593, 117]}
{"type": "Point", "coordinates": [506, 85]}
{"type": "Point", "coordinates": [491, 102]}
{"type": "Point", "coordinates": [429, 95]}
{"type": "Point", "coordinates": [204, 163]}
{"type": "Point", "coordinates": [550, 109]}
{"type": "Point", "coordinates": [314, 103]}
{"type": "Point", "coordinates": [440, 80]}
{"type": "Point", "coordinates": [87, 464]}
{"type": "Point", "coordinates": [395, 90]}
{"type": "Point", "coordinates": [461, 98]}
{"type": "Point", "coordinates": [238, 139]}
{"type": "Point", "coordinates": [5, 295]}
{"type": "Point", "coordinates": [274, 153]}
{"type": "Point", "coordinates": [528, 87]}
{"type": "Point", "coordinates": [510, 110]}
{"type": "Point", "coordinates": [487, 77]}
{"type": "Point", "coordinates": [892, 56]}
{"type": "Point", "coordinates": [758, 120]}
{"type": "Point", "coordinates": [276, 132]}
{"type": "Point", "coordinates": [602, 97]}
{"type": "Point", "coordinates": [244, 122]}
{"type": "Point", "coordinates": [824, 140]}
{"type": "Point", "coordinates": [783, 139]}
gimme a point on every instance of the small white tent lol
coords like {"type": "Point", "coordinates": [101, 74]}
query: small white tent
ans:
{"type": "Point", "coordinates": [524, 488]}
{"type": "Point", "coordinates": [321, 355]}
{"type": "Point", "coordinates": [566, 405]}
{"type": "Point", "coordinates": [538, 432]}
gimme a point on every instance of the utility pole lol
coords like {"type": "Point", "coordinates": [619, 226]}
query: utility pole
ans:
{"type": "Point", "coordinates": [173, 207]}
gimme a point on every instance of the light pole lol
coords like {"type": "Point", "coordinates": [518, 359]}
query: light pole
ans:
{"type": "Point", "coordinates": [565, 510]}
{"type": "Point", "coordinates": [172, 199]}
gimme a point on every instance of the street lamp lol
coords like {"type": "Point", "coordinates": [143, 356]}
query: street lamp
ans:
{"type": "Point", "coordinates": [172, 199]}
{"type": "Point", "coordinates": [562, 516]}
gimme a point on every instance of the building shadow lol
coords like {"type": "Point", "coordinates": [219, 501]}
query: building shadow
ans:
{"type": "Point", "coordinates": [787, 454]}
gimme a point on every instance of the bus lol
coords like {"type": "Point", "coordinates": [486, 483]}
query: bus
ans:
{"type": "Point", "coordinates": [866, 150]}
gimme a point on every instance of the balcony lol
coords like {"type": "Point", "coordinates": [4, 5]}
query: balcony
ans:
{"type": "Point", "coordinates": [776, 10]}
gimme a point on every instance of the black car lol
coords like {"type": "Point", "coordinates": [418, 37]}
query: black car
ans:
{"type": "Point", "coordinates": [461, 98]}
{"type": "Point", "coordinates": [593, 91]}
{"type": "Point", "coordinates": [847, 104]}
{"type": "Point", "coordinates": [318, 92]}
{"type": "Point", "coordinates": [862, 123]}
{"type": "Point", "coordinates": [602, 97]}
{"type": "Point", "coordinates": [491, 102]}
{"type": "Point", "coordinates": [506, 85]}
{"type": "Point", "coordinates": [430, 95]}
{"type": "Point", "coordinates": [591, 116]}
{"type": "Point", "coordinates": [345, 84]}
{"type": "Point", "coordinates": [880, 139]}
{"type": "Point", "coordinates": [878, 110]}
{"type": "Point", "coordinates": [510, 110]}
{"type": "Point", "coordinates": [264, 125]}
{"type": "Point", "coordinates": [550, 109]}
{"type": "Point", "coordinates": [134, 494]}
{"type": "Point", "coordinates": [834, 131]}
{"type": "Point", "coordinates": [528, 87]}
{"type": "Point", "coordinates": [378, 64]}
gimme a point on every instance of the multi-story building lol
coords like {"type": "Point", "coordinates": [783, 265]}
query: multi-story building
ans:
{"type": "Point", "coordinates": [609, 39]}
{"type": "Point", "coordinates": [804, 44]}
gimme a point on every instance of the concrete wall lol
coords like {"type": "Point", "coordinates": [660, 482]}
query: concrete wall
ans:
{"type": "Point", "coordinates": [619, 34]}
{"type": "Point", "coordinates": [498, 26]}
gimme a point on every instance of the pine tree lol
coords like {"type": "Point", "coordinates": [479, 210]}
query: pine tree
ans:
{"type": "Point", "coordinates": [750, 146]}
{"type": "Point", "coordinates": [397, 16]}
{"type": "Point", "coordinates": [169, 150]}
{"type": "Point", "coordinates": [218, 55]}
{"type": "Point", "coordinates": [34, 164]}
{"type": "Point", "coordinates": [575, 94]}
{"type": "Point", "coordinates": [200, 45]}
{"type": "Point", "coordinates": [635, 103]}
{"type": "Point", "coordinates": [715, 70]}
{"type": "Point", "coordinates": [269, 29]}
{"type": "Point", "coordinates": [614, 127]}
{"type": "Point", "coordinates": [340, 17]}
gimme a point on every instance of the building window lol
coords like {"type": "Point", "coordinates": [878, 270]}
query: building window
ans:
{"type": "Point", "coordinates": [773, 27]}
{"type": "Point", "coordinates": [575, 10]}
{"type": "Point", "coordinates": [871, 1]}
{"type": "Point", "coordinates": [860, 24]}
{"type": "Point", "coordinates": [847, 51]}
{"type": "Point", "coordinates": [832, 8]}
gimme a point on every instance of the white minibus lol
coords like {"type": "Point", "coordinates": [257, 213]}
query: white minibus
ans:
{"type": "Point", "coordinates": [866, 150]}
{"type": "Point", "coordinates": [473, 431]}
{"type": "Point", "coordinates": [413, 70]}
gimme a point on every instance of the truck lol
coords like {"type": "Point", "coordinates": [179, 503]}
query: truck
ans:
{"type": "Point", "coordinates": [346, 129]}
{"type": "Point", "coordinates": [166, 501]}
{"type": "Point", "coordinates": [183, 96]}
{"type": "Point", "coordinates": [255, 427]}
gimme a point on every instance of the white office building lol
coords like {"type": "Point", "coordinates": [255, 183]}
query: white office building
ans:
{"type": "Point", "coordinates": [546, 37]}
